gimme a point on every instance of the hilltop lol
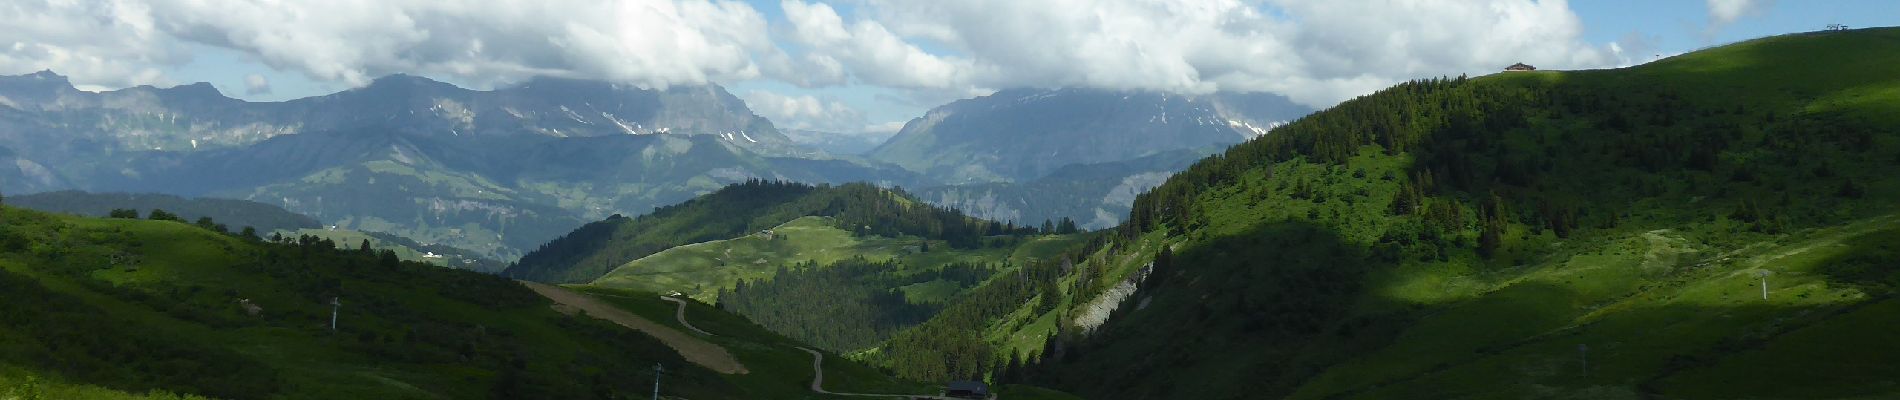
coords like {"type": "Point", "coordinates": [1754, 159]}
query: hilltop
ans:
{"type": "Point", "coordinates": [747, 208]}
{"type": "Point", "coordinates": [1712, 225]}
{"type": "Point", "coordinates": [234, 213]}
{"type": "Point", "coordinates": [239, 215]}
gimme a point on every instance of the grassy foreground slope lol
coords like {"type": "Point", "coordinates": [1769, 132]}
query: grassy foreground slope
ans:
{"type": "Point", "coordinates": [1589, 234]}
{"type": "Point", "coordinates": [135, 306]}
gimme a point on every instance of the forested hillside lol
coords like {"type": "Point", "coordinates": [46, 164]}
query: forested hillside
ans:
{"type": "Point", "coordinates": [746, 208]}
{"type": "Point", "coordinates": [1712, 225]}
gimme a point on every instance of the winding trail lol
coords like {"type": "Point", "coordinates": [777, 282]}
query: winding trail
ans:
{"type": "Point", "coordinates": [696, 350]}
{"type": "Point", "coordinates": [681, 315]}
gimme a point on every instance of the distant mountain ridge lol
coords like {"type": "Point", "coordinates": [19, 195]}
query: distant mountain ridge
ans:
{"type": "Point", "coordinates": [838, 143]}
{"type": "Point", "coordinates": [149, 118]}
{"type": "Point", "coordinates": [1019, 135]}
{"type": "Point", "coordinates": [496, 171]}
{"type": "Point", "coordinates": [1095, 196]}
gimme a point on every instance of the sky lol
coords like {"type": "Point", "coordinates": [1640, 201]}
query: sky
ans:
{"type": "Point", "coordinates": [863, 67]}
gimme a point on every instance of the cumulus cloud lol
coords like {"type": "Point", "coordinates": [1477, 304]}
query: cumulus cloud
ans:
{"type": "Point", "coordinates": [1725, 12]}
{"type": "Point", "coordinates": [255, 84]}
{"type": "Point", "coordinates": [872, 53]}
{"type": "Point", "coordinates": [1315, 52]}
{"type": "Point", "coordinates": [884, 129]}
{"type": "Point", "coordinates": [97, 43]}
{"type": "Point", "coordinates": [805, 112]}
{"type": "Point", "coordinates": [653, 43]}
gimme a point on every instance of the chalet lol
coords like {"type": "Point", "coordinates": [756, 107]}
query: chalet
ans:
{"type": "Point", "coordinates": [967, 390]}
{"type": "Point", "coordinates": [1520, 67]}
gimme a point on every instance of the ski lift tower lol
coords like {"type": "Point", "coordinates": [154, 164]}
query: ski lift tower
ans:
{"type": "Point", "coordinates": [657, 370]}
{"type": "Point", "coordinates": [336, 304]}
{"type": "Point", "coordinates": [1764, 282]}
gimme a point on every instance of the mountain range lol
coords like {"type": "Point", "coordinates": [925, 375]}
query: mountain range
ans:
{"type": "Point", "coordinates": [499, 172]}
{"type": "Point", "coordinates": [492, 171]}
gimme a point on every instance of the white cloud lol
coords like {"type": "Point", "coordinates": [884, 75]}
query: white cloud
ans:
{"type": "Point", "coordinates": [871, 53]}
{"type": "Point", "coordinates": [96, 43]}
{"type": "Point", "coordinates": [1315, 52]}
{"type": "Point", "coordinates": [652, 43]}
{"type": "Point", "coordinates": [1724, 12]}
{"type": "Point", "coordinates": [1352, 47]}
{"type": "Point", "coordinates": [885, 129]}
{"type": "Point", "coordinates": [255, 84]}
{"type": "Point", "coordinates": [805, 112]}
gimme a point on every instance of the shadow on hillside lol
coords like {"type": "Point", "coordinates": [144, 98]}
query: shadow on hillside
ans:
{"type": "Point", "coordinates": [1532, 339]}
{"type": "Point", "coordinates": [1280, 283]}
{"type": "Point", "coordinates": [1268, 312]}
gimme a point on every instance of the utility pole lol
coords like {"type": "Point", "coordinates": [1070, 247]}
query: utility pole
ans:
{"type": "Point", "coordinates": [657, 370]}
{"type": "Point", "coordinates": [1764, 283]}
{"type": "Point", "coordinates": [1583, 354]}
{"type": "Point", "coordinates": [336, 304]}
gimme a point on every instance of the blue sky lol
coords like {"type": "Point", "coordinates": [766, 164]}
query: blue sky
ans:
{"type": "Point", "coordinates": [868, 65]}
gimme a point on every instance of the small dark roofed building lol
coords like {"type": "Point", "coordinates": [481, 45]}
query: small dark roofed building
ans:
{"type": "Point", "coordinates": [1520, 67]}
{"type": "Point", "coordinates": [967, 390]}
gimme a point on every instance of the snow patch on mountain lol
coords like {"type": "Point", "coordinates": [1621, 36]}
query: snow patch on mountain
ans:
{"type": "Point", "coordinates": [617, 122]}
{"type": "Point", "coordinates": [453, 111]}
{"type": "Point", "coordinates": [575, 116]}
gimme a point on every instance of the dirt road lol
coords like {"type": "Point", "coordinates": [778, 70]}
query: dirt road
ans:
{"type": "Point", "coordinates": [696, 350]}
{"type": "Point", "coordinates": [681, 315]}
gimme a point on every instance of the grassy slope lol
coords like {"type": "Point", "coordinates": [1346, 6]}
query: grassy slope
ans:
{"type": "Point", "coordinates": [1667, 301]}
{"type": "Point", "coordinates": [759, 347]}
{"type": "Point", "coordinates": [597, 248]}
{"type": "Point", "coordinates": [393, 348]}
{"type": "Point", "coordinates": [1677, 310]}
{"type": "Point", "coordinates": [701, 270]}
